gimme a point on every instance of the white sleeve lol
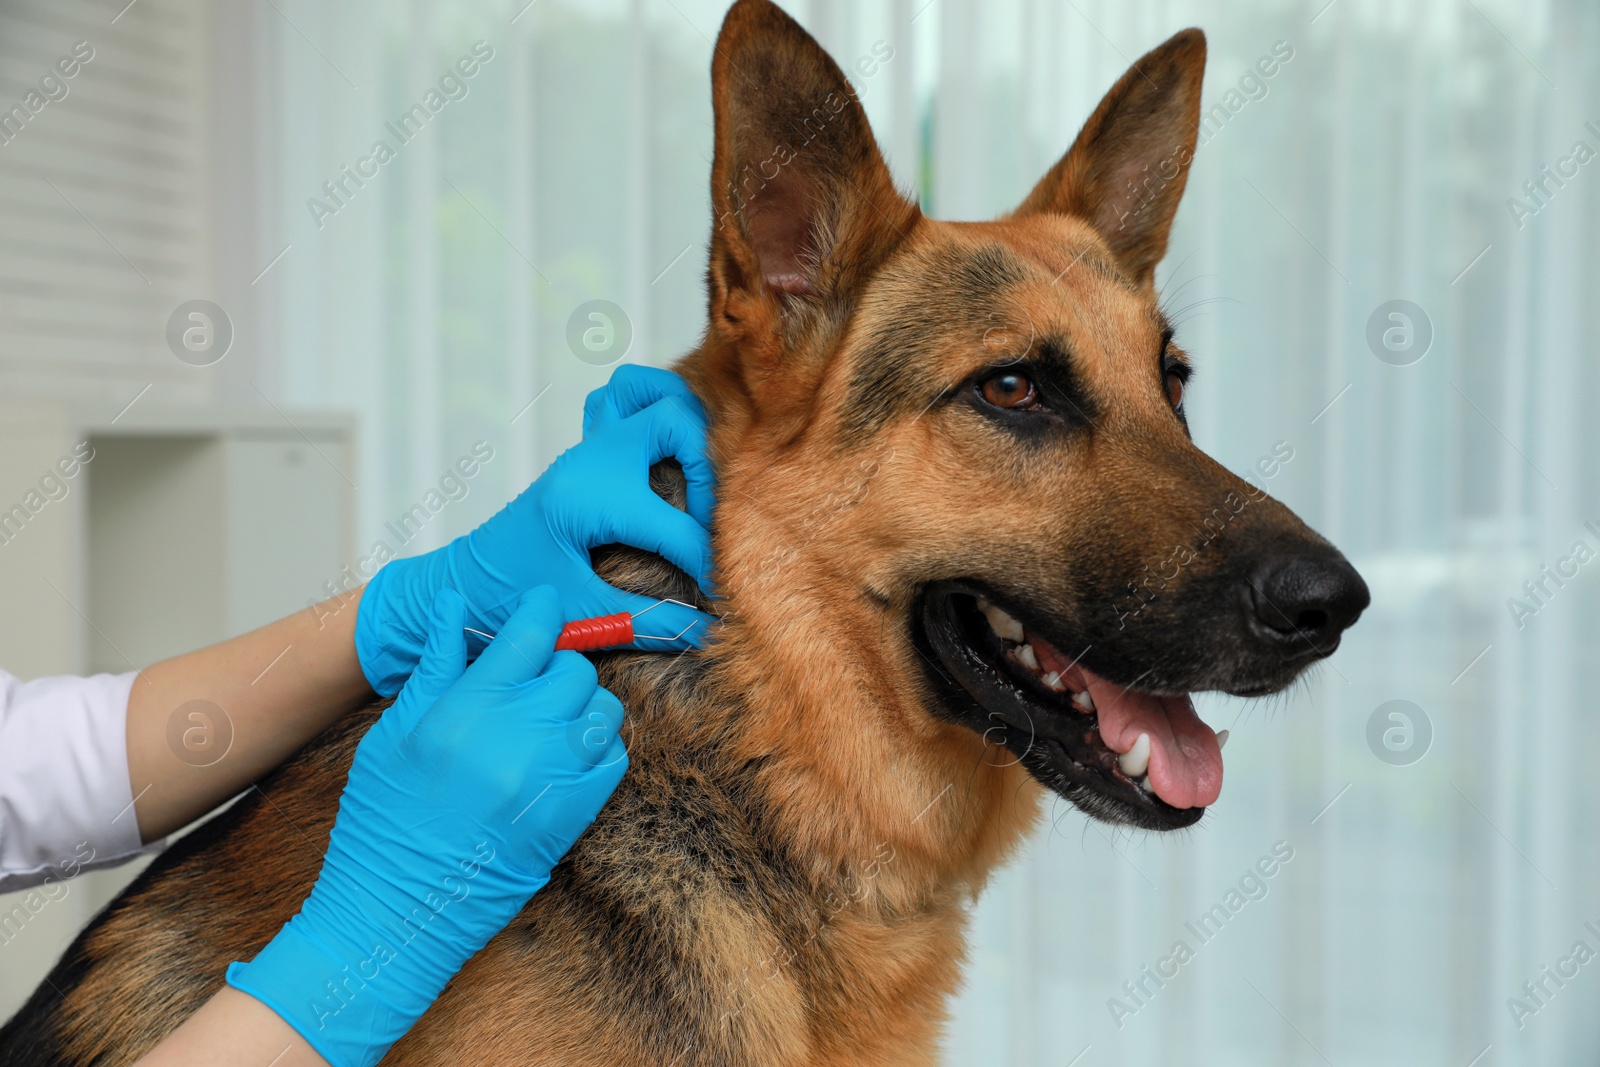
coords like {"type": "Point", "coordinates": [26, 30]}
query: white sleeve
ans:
{"type": "Point", "coordinates": [65, 801]}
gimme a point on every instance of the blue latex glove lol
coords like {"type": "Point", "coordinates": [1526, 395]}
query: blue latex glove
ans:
{"type": "Point", "coordinates": [595, 493]}
{"type": "Point", "coordinates": [461, 799]}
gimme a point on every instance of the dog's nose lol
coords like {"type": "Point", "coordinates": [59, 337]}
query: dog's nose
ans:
{"type": "Point", "coordinates": [1306, 599]}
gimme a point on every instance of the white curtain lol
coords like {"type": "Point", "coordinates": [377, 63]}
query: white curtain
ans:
{"type": "Point", "coordinates": [1409, 900]}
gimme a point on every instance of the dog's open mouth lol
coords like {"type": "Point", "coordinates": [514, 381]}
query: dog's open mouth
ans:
{"type": "Point", "coordinates": [1117, 753]}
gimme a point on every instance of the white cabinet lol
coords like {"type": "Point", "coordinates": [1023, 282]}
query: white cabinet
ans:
{"type": "Point", "coordinates": [180, 529]}
{"type": "Point", "coordinates": [195, 537]}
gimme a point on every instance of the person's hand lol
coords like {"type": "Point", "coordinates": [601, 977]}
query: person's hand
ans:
{"type": "Point", "coordinates": [461, 799]}
{"type": "Point", "coordinates": [597, 492]}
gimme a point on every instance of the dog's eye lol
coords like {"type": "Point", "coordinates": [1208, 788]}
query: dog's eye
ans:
{"type": "Point", "coordinates": [1175, 386]}
{"type": "Point", "coordinates": [1009, 389]}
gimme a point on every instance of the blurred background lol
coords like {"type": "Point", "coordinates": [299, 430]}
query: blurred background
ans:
{"type": "Point", "coordinates": [278, 342]}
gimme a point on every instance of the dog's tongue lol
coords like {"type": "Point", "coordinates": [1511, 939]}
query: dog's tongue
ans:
{"type": "Point", "coordinates": [1185, 759]}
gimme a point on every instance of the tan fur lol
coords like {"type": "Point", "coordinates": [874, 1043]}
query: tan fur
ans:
{"type": "Point", "coordinates": [782, 878]}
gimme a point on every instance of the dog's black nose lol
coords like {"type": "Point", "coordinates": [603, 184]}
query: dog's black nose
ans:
{"type": "Point", "coordinates": [1306, 599]}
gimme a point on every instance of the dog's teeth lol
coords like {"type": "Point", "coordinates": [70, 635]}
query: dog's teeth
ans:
{"type": "Point", "coordinates": [1053, 681]}
{"type": "Point", "coordinates": [1136, 760]}
{"type": "Point", "coordinates": [1027, 658]}
{"type": "Point", "coordinates": [1083, 700]}
{"type": "Point", "coordinates": [1145, 786]}
{"type": "Point", "coordinates": [1000, 622]}
{"type": "Point", "coordinates": [1222, 739]}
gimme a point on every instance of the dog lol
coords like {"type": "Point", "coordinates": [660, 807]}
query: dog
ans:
{"type": "Point", "coordinates": [967, 554]}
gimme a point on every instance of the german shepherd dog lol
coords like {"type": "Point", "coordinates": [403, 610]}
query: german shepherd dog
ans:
{"type": "Point", "coordinates": [967, 553]}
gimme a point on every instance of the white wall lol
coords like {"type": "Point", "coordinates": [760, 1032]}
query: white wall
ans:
{"type": "Point", "coordinates": [122, 199]}
{"type": "Point", "coordinates": [105, 199]}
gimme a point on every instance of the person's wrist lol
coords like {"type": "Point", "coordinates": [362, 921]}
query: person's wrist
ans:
{"type": "Point", "coordinates": [363, 959]}
{"type": "Point", "coordinates": [386, 646]}
{"type": "Point", "coordinates": [392, 621]}
{"type": "Point", "coordinates": [344, 1009]}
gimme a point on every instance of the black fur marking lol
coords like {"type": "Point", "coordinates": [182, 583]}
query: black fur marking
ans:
{"type": "Point", "coordinates": [1107, 269]}
{"type": "Point", "coordinates": [1065, 404]}
{"type": "Point", "coordinates": [960, 291]}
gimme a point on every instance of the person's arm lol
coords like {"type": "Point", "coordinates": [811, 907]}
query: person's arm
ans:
{"type": "Point", "coordinates": [461, 799]}
{"type": "Point", "coordinates": [233, 1028]}
{"type": "Point", "coordinates": [204, 725]}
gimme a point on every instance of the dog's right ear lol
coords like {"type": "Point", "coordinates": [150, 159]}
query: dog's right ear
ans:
{"type": "Point", "coordinates": [1126, 171]}
{"type": "Point", "coordinates": [803, 206]}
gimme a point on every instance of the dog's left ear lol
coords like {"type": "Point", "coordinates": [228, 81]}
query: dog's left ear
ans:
{"type": "Point", "coordinates": [1126, 171]}
{"type": "Point", "coordinates": [804, 208]}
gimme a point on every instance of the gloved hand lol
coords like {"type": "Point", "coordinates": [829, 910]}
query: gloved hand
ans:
{"type": "Point", "coordinates": [461, 799]}
{"type": "Point", "coordinates": [595, 493]}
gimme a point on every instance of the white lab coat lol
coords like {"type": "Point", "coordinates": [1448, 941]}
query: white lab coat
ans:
{"type": "Point", "coordinates": [65, 801]}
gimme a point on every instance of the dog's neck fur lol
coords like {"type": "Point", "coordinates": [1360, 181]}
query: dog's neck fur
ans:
{"type": "Point", "coordinates": [864, 768]}
{"type": "Point", "coordinates": [879, 822]}
{"type": "Point", "coordinates": [852, 767]}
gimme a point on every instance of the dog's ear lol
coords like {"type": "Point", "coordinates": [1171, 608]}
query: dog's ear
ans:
{"type": "Point", "coordinates": [803, 206]}
{"type": "Point", "coordinates": [1126, 171]}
